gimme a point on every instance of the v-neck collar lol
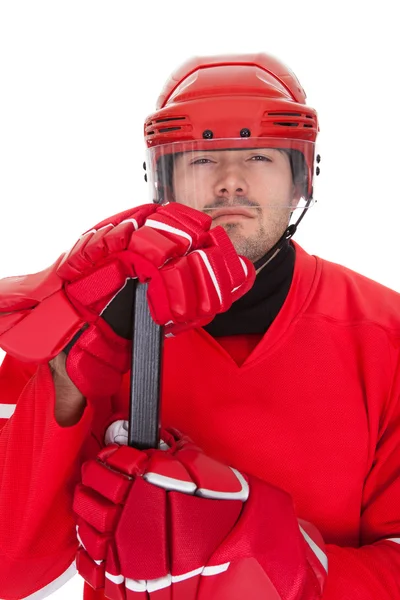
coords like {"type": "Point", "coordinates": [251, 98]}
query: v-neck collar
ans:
{"type": "Point", "coordinates": [306, 275]}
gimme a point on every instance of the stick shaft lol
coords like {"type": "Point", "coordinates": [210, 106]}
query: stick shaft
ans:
{"type": "Point", "coordinates": [144, 409]}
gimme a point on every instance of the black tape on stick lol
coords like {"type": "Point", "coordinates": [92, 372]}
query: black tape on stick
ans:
{"type": "Point", "coordinates": [144, 410]}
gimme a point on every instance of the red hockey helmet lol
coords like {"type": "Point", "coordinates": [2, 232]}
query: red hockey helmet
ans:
{"type": "Point", "coordinates": [232, 102]}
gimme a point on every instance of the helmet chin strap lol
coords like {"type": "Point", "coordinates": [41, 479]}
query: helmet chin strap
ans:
{"type": "Point", "coordinates": [287, 234]}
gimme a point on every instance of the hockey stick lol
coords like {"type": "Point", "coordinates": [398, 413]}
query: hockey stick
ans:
{"type": "Point", "coordinates": [144, 408]}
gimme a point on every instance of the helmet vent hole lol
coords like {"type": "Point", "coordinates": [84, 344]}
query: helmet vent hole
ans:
{"type": "Point", "coordinates": [170, 119]}
{"type": "Point", "coordinates": [284, 114]}
{"type": "Point", "coordinates": [165, 129]}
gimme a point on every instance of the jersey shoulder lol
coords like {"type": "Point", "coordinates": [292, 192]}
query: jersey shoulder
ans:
{"type": "Point", "coordinates": [345, 295]}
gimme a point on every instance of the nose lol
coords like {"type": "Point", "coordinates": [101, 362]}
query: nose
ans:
{"type": "Point", "coordinates": [231, 182]}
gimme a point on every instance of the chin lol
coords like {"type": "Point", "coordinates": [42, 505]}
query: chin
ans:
{"type": "Point", "coordinates": [250, 251]}
{"type": "Point", "coordinates": [249, 243]}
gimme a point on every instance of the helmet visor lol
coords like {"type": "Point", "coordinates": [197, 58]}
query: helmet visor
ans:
{"type": "Point", "coordinates": [255, 173]}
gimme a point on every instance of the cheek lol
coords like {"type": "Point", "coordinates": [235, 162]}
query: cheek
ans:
{"type": "Point", "coordinates": [276, 190]}
{"type": "Point", "coordinates": [273, 216]}
{"type": "Point", "coordinates": [193, 189]}
{"type": "Point", "coordinates": [201, 181]}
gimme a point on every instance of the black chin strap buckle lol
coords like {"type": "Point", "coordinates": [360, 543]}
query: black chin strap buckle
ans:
{"type": "Point", "coordinates": [290, 231]}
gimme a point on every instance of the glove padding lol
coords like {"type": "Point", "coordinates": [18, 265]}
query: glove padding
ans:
{"type": "Point", "coordinates": [193, 274]}
{"type": "Point", "coordinates": [174, 523]}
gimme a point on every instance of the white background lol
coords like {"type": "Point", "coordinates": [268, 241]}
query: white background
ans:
{"type": "Point", "coordinates": [78, 78]}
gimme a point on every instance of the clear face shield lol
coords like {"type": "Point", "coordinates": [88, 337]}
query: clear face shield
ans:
{"type": "Point", "coordinates": [246, 174]}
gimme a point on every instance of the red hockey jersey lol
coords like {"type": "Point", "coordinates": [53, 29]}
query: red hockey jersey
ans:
{"type": "Point", "coordinates": [314, 408]}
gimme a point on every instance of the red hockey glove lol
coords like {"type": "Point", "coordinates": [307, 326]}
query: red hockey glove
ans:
{"type": "Point", "coordinates": [174, 523]}
{"type": "Point", "coordinates": [193, 274]}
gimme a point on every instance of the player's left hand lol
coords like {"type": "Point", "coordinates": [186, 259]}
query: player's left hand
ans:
{"type": "Point", "coordinates": [175, 524]}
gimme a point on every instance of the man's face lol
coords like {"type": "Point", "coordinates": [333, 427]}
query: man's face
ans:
{"type": "Point", "coordinates": [250, 193]}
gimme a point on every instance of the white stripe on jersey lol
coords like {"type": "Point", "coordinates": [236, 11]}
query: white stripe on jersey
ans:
{"type": "Point", "coordinates": [6, 410]}
{"type": "Point", "coordinates": [323, 559]}
{"type": "Point", "coordinates": [55, 585]}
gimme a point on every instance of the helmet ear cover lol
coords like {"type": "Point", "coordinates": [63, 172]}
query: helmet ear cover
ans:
{"type": "Point", "coordinates": [165, 165]}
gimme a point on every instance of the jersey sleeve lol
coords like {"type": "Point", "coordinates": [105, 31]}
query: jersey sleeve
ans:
{"type": "Point", "coordinates": [14, 375]}
{"type": "Point", "coordinates": [40, 465]}
{"type": "Point", "coordinates": [372, 571]}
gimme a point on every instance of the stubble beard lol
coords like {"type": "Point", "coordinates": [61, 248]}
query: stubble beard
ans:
{"type": "Point", "coordinates": [257, 244]}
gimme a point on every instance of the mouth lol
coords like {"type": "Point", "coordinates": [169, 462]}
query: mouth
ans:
{"type": "Point", "coordinates": [232, 212]}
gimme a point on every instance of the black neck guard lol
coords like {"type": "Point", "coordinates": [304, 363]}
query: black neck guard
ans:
{"type": "Point", "coordinates": [255, 311]}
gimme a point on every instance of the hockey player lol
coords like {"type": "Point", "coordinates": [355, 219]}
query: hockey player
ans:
{"type": "Point", "coordinates": [278, 472]}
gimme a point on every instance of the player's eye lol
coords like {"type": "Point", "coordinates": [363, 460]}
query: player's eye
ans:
{"type": "Point", "coordinates": [260, 158]}
{"type": "Point", "coordinates": [200, 161]}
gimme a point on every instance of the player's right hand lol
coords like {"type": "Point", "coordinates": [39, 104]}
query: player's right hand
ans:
{"type": "Point", "coordinates": [193, 274]}
{"type": "Point", "coordinates": [176, 523]}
